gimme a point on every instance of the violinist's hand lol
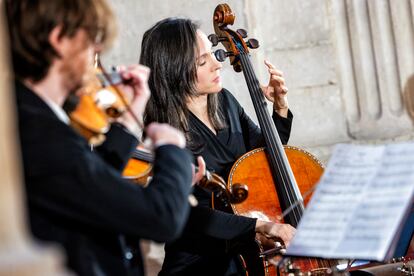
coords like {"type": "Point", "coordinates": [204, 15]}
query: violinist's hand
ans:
{"type": "Point", "coordinates": [275, 231]}
{"type": "Point", "coordinates": [164, 134]}
{"type": "Point", "coordinates": [276, 91]}
{"type": "Point", "coordinates": [197, 176]}
{"type": "Point", "coordinates": [135, 88]}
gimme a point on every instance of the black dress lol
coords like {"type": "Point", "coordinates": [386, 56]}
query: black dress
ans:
{"type": "Point", "coordinates": [205, 248]}
{"type": "Point", "coordinates": [79, 201]}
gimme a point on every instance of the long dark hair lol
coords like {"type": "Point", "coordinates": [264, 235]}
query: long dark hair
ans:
{"type": "Point", "coordinates": [170, 50]}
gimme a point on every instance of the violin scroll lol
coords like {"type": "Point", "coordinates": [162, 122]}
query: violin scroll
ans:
{"type": "Point", "coordinates": [239, 193]}
{"type": "Point", "coordinates": [213, 182]}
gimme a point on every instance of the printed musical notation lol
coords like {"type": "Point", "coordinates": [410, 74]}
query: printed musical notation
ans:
{"type": "Point", "coordinates": [360, 204]}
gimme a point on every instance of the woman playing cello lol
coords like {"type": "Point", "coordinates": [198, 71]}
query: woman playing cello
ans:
{"type": "Point", "coordinates": [187, 93]}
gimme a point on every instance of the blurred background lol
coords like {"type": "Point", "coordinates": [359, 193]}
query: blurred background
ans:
{"type": "Point", "coordinates": [347, 63]}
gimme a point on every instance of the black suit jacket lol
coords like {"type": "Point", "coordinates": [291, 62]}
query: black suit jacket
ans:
{"type": "Point", "coordinates": [79, 200]}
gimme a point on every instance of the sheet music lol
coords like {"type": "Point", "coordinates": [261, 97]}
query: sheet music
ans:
{"type": "Point", "coordinates": [359, 204]}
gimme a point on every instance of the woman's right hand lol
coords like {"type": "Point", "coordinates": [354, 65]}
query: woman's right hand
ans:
{"type": "Point", "coordinates": [275, 231]}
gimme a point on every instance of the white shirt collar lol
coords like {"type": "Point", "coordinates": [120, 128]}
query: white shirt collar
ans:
{"type": "Point", "coordinates": [58, 110]}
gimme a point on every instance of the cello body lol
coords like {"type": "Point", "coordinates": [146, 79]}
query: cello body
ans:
{"type": "Point", "coordinates": [253, 167]}
{"type": "Point", "coordinates": [263, 203]}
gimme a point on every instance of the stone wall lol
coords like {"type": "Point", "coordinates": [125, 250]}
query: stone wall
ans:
{"type": "Point", "coordinates": [346, 62]}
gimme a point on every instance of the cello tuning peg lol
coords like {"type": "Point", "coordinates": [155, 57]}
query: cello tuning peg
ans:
{"type": "Point", "coordinates": [221, 55]}
{"type": "Point", "coordinates": [242, 32]}
{"type": "Point", "coordinates": [252, 43]}
{"type": "Point", "coordinates": [215, 39]}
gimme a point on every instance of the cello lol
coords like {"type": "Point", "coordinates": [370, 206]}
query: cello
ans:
{"type": "Point", "coordinates": [271, 171]}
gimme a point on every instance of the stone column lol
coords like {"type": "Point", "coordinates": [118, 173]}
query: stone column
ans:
{"type": "Point", "coordinates": [375, 50]}
{"type": "Point", "coordinates": [18, 255]}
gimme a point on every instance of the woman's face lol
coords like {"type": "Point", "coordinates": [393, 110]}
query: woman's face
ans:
{"type": "Point", "coordinates": [208, 68]}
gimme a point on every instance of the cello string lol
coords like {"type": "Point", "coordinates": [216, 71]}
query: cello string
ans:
{"type": "Point", "coordinates": [258, 97]}
{"type": "Point", "coordinates": [299, 201]}
{"type": "Point", "coordinates": [283, 181]}
{"type": "Point", "coordinates": [277, 145]}
{"type": "Point", "coordinates": [279, 161]}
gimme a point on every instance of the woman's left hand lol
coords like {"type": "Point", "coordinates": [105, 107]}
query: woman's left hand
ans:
{"type": "Point", "coordinates": [276, 91]}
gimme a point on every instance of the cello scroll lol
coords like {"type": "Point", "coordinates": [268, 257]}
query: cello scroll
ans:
{"type": "Point", "coordinates": [233, 41]}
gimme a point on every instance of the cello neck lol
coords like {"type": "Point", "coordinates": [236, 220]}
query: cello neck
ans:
{"type": "Point", "coordinates": [286, 187]}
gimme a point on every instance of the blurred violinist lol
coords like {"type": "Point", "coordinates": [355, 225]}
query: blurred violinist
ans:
{"type": "Point", "coordinates": [76, 197]}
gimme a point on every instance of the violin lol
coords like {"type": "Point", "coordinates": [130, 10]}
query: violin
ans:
{"type": "Point", "coordinates": [139, 171]}
{"type": "Point", "coordinates": [276, 175]}
{"type": "Point", "coordinates": [93, 108]}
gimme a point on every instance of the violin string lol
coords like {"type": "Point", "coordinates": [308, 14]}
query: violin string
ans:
{"type": "Point", "coordinates": [149, 157]}
{"type": "Point", "coordinates": [138, 121]}
{"type": "Point", "coordinates": [142, 155]}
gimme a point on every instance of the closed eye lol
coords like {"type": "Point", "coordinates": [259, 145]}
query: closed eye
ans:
{"type": "Point", "coordinates": [202, 60]}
